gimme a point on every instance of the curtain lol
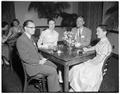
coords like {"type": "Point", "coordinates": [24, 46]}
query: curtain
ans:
{"type": "Point", "coordinates": [92, 13]}
{"type": "Point", "coordinates": [8, 11]}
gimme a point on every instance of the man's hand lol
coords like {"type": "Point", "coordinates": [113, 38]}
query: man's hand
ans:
{"type": "Point", "coordinates": [85, 49]}
{"type": "Point", "coordinates": [43, 61]}
{"type": "Point", "coordinates": [77, 45]}
{"type": "Point", "coordinates": [50, 47]}
{"type": "Point", "coordinates": [43, 46]}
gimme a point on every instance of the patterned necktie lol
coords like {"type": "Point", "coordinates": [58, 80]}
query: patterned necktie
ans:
{"type": "Point", "coordinates": [78, 35]}
{"type": "Point", "coordinates": [34, 44]}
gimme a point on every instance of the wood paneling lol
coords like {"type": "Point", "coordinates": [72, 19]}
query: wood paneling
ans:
{"type": "Point", "coordinates": [92, 13]}
{"type": "Point", "coordinates": [8, 11]}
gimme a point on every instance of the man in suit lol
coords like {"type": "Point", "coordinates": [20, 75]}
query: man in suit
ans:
{"type": "Point", "coordinates": [82, 34]}
{"type": "Point", "coordinates": [35, 63]}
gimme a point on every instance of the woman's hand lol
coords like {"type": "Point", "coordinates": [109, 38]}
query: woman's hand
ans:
{"type": "Point", "coordinates": [77, 45]}
{"type": "Point", "coordinates": [52, 47]}
{"type": "Point", "coordinates": [43, 61]}
{"type": "Point", "coordinates": [43, 46]}
{"type": "Point", "coordinates": [4, 39]}
{"type": "Point", "coordinates": [85, 49]}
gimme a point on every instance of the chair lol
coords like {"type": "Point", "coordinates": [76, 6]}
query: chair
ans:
{"type": "Point", "coordinates": [105, 64]}
{"type": "Point", "coordinates": [38, 80]}
{"type": "Point", "coordinates": [6, 55]}
{"type": "Point", "coordinates": [5, 62]}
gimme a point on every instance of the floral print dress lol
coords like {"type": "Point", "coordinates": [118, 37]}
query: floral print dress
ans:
{"type": "Point", "coordinates": [87, 77]}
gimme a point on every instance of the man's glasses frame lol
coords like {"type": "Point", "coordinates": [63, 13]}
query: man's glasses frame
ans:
{"type": "Point", "coordinates": [30, 27]}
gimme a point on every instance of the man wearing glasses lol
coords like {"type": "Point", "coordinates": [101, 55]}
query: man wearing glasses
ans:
{"type": "Point", "coordinates": [35, 63]}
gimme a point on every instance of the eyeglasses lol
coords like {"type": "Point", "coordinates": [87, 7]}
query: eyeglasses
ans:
{"type": "Point", "coordinates": [31, 27]}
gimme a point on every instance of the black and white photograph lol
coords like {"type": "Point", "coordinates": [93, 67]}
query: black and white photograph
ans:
{"type": "Point", "coordinates": [59, 46]}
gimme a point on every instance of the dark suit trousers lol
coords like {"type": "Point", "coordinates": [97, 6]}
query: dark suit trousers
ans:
{"type": "Point", "coordinates": [48, 69]}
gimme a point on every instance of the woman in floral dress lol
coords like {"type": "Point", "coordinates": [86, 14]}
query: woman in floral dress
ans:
{"type": "Point", "coordinates": [87, 77]}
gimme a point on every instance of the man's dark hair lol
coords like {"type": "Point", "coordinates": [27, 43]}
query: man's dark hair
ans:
{"type": "Point", "coordinates": [26, 23]}
{"type": "Point", "coordinates": [50, 19]}
{"type": "Point", "coordinates": [80, 17]}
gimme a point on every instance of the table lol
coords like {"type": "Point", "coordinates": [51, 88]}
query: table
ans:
{"type": "Point", "coordinates": [67, 58]}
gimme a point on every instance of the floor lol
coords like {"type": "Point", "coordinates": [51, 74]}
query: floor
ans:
{"type": "Point", "coordinates": [11, 81]}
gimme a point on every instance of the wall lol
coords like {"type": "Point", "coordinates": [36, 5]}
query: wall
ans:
{"type": "Point", "coordinates": [92, 13]}
{"type": "Point", "coordinates": [114, 40]}
{"type": "Point", "coordinates": [22, 15]}
{"type": "Point", "coordinates": [7, 11]}
{"type": "Point", "coordinates": [106, 5]}
{"type": "Point", "coordinates": [113, 37]}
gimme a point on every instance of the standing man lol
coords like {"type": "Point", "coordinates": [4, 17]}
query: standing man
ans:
{"type": "Point", "coordinates": [34, 62]}
{"type": "Point", "coordinates": [82, 34]}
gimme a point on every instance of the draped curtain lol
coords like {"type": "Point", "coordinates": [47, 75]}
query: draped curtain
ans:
{"type": "Point", "coordinates": [92, 13]}
{"type": "Point", "coordinates": [8, 11]}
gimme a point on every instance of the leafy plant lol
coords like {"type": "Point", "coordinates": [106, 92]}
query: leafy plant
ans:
{"type": "Point", "coordinates": [48, 9]}
{"type": "Point", "coordinates": [112, 20]}
{"type": "Point", "coordinates": [69, 20]}
{"type": "Point", "coordinates": [53, 10]}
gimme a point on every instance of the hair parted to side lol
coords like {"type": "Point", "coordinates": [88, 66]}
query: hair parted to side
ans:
{"type": "Point", "coordinates": [50, 19]}
{"type": "Point", "coordinates": [26, 23]}
{"type": "Point", "coordinates": [80, 17]}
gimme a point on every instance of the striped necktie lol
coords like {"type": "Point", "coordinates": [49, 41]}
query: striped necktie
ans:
{"type": "Point", "coordinates": [78, 35]}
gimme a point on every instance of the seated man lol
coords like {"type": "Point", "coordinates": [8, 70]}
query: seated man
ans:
{"type": "Point", "coordinates": [34, 62]}
{"type": "Point", "coordinates": [82, 34]}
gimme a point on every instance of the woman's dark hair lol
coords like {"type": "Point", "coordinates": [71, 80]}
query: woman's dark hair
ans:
{"type": "Point", "coordinates": [50, 19]}
{"type": "Point", "coordinates": [26, 22]}
{"type": "Point", "coordinates": [4, 24]}
{"type": "Point", "coordinates": [103, 27]}
{"type": "Point", "coordinates": [16, 21]}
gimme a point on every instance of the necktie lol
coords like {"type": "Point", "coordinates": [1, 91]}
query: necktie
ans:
{"type": "Point", "coordinates": [78, 35]}
{"type": "Point", "coordinates": [34, 44]}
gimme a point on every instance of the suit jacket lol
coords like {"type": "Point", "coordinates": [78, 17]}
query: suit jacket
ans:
{"type": "Point", "coordinates": [28, 53]}
{"type": "Point", "coordinates": [86, 33]}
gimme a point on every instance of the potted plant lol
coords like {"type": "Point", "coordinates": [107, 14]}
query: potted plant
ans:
{"type": "Point", "coordinates": [48, 9]}
{"type": "Point", "coordinates": [112, 20]}
{"type": "Point", "coordinates": [53, 10]}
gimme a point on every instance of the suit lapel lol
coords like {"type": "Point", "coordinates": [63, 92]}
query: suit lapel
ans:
{"type": "Point", "coordinates": [34, 44]}
{"type": "Point", "coordinates": [30, 41]}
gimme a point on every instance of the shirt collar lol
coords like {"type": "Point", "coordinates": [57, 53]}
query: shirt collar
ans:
{"type": "Point", "coordinates": [28, 35]}
{"type": "Point", "coordinates": [104, 38]}
{"type": "Point", "coordinates": [80, 28]}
